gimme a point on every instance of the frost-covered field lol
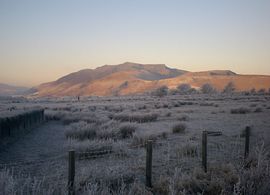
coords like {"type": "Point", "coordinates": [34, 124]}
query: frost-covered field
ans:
{"type": "Point", "coordinates": [109, 135]}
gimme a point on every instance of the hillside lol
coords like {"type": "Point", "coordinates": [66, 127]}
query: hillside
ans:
{"type": "Point", "coordinates": [7, 90]}
{"type": "Point", "coordinates": [134, 78]}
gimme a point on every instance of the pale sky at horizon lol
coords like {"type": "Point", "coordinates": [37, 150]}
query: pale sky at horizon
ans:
{"type": "Point", "coordinates": [41, 41]}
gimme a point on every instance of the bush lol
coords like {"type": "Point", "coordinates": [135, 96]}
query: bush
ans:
{"type": "Point", "coordinates": [126, 131]}
{"type": "Point", "coordinates": [184, 88]}
{"type": "Point", "coordinates": [161, 91]}
{"type": "Point", "coordinates": [240, 111]}
{"type": "Point", "coordinates": [81, 131]}
{"type": "Point", "coordinates": [229, 88]}
{"type": "Point", "coordinates": [179, 128]}
{"type": "Point", "coordinates": [207, 89]}
{"type": "Point", "coordinates": [258, 110]}
{"type": "Point", "coordinates": [262, 91]}
{"type": "Point", "coordinates": [183, 118]}
{"type": "Point", "coordinates": [140, 118]}
{"type": "Point", "coordinates": [188, 150]}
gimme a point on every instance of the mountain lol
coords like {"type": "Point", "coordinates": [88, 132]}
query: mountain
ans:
{"type": "Point", "coordinates": [134, 78]}
{"type": "Point", "coordinates": [8, 90]}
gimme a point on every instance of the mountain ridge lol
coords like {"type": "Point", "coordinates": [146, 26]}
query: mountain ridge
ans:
{"type": "Point", "coordinates": [134, 78]}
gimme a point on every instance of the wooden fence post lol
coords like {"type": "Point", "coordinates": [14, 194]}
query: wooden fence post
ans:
{"type": "Point", "coordinates": [71, 172]}
{"type": "Point", "coordinates": [204, 150]}
{"type": "Point", "coordinates": [247, 135]}
{"type": "Point", "coordinates": [149, 163]}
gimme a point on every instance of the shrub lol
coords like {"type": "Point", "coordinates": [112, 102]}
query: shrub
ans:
{"type": "Point", "coordinates": [183, 118]}
{"type": "Point", "coordinates": [184, 88]}
{"type": "Point", "coordinates": [219, 179]}
{"type": "Point", "coordinates": [161, 91]}
{"type": "Point", "coordinates": [56, 116]}
{"type": "Point", "coordinates": [140, 139]}
{"type": "Point", "coordinates": [126, 131]}
{"type": "Point", "coordinates": [140, 118]}
{"type": "Point", "coordinates": [252, 105]}
{"type": "Point", "coordinates": [70, 119]}
{"type": "Point", "coordinates": [262, 91]}
{"type": "Point", "coordinates": [164, 135]}
{"type": "Point", "coordinates": [179, 128]}
{"type": "Point", "coordinates": [7, 182]}
{"type": "Point", "coordinates": [240, 111]}
{"type": "Point", "coordinates": [229, 88]}
{"type": "Point", "coordinates": [81, 131]}
{"type": "Point", "coordinates": [173, 91]}
{"type": "Point", "coordinates": [188, 150]}
{"type": "Point", "coordinates": [253, 91]}
{"type": "Point", "coordinates": [168, 114]}
{"type": "Point", "coordinates": [258, 110]}
{"type": "Point", "coordinates": [207, 89]}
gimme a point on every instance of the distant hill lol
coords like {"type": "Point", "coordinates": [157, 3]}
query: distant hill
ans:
{"type": "Point", "coordinates": [8, 90]}
{"type": "Point", "coordinates": [134, 78]}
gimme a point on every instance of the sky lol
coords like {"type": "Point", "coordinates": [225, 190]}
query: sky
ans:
{"type": "Point", "coordinates": [41, 41]}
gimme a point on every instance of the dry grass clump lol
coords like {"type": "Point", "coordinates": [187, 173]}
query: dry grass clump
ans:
{"type": "Point", "coordinates": [70, 119]}
{"type": "Point", "coordinates": [219, 179]}
{"type": "Point", "coordinates": [116, 130]}
{"type": "Point", "coordinates": [240, 110]}
{"type": "Point", "coordinates": [207, 104]}
{"type": "Point", "coordinates": [7, 182]}
{"type": "Point", "coordinates": [89, 118]}
{"type": "Point", "coordinates": [254, 174]}
{"type": "Point", "coordinates": [126, 130]}
{"type": "Point", "coordinates": [258, 110]}
{"type": "Point", "coordinates": [139, 118]}
{"type": "Point", "coordinates": [179, 128]}
{"type": "Point", "coordinates": [252, 105]}
{"type": "Point", "coordinates": [187, 150]}
{"type": "Point", "coordinates": [140, 139]}
{"type": "Point", "coordinates": [124, 185]}
{"type": "Point", "coordinates": [96, 148]}
{"type": "Point", "coordinates": [19, 184]}
{"type": "Point", "coordinates": [81, 131]}
{"type": "Point", "coordinates": [183, 118]}
{"type": "Point", "coordinates": [56, 116]}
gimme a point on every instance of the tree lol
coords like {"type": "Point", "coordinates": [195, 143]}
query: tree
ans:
{"type": "Point", "coordinates": [229, 88]}
{"type": "Point", "coordinates": [253, 91]}
{"type": "Point", "coordinates": [207, 88]}
{"type": "Point", "coordinates": [161, 91]}
{"type": "Point", "coordinates": [184, 88]}
{"type": "Point", "coordinates": [262, 91]}
{"type": "Point", "coordinates": [173, 91]}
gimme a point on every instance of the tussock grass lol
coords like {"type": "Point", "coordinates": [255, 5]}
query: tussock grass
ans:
{"type": "Point", "coordinates": [183, 118]}
{"type": "Point", "coordinates": [188, 150]}
{"type": "Point", "coordinates": [179, 128]}
{"type": "Point", "coordinates": [139, 118]}
{"type": "Point", "coordinates": [258, 110]}
{"type": "Point", "coordinates": [81, 131]}
{"type": "Point", "coordinates": [241, 110]}
{"type": "Point", "coordinates": [126, 130]}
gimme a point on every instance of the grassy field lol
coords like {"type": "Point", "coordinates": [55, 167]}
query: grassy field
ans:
{"type": "Point", "coordinates": [109, 135]}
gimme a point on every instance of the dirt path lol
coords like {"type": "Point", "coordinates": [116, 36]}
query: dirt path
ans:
{"type": "Point", "coordinates": [40, 152]}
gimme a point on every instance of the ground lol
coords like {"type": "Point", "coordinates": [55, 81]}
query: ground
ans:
{"type": "Point", "coordinates": [109, 135]}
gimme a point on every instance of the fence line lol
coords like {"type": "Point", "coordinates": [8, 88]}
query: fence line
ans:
{"type": "Point", "coordinates": [206, 146]}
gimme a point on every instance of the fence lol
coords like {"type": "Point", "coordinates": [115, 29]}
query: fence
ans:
{"type": "Point", "coordinates": [14, 125]}
{"type": "Point", "coordinates": [159, 156]}
{"type": "Point", "coordinates": [152, 162]}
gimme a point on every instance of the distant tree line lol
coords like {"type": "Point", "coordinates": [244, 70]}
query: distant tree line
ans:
{"type": "Point", "coordinates": [207, 88]}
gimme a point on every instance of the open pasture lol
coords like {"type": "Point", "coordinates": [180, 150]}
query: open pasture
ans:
{"type": "Point", "coordinates": [109, 136]}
